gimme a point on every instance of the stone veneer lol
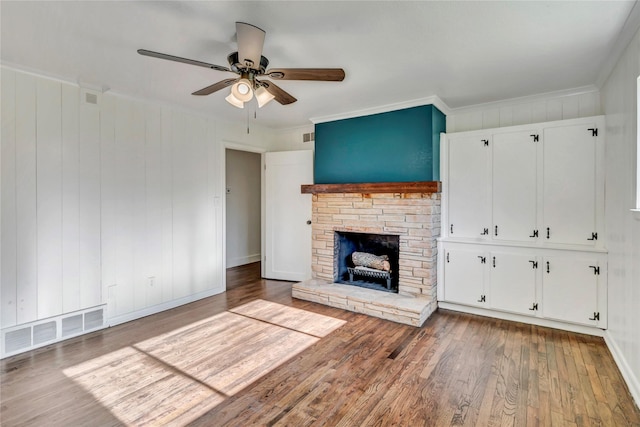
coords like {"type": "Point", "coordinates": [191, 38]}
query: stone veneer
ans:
{"type": "Point", "coordinates": [415, 217]}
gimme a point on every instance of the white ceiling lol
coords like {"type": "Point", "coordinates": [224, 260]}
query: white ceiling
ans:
{"type": "Point", "coordinates": [466, 53]}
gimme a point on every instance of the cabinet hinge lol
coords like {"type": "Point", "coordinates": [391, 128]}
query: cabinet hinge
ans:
{"type": "Point", "coordinates": [596, 269]}
{"type": "Point", "coordinates": [534, 264]}
{"type": "Point", "coordinates": [534, 307]}
{"type": "Point", "coordinates": [485, 231]}
{"type": "Point", "coordinates": [534, 234]}
{"type": "Point", "coordinates": [596, 316]}
{"type": "Point", "coordinates": [536, 138]}
{"type": "Point", "coordinates": [483, 298]}
{"type": "Point", "coordinates": [594, 131]}
{"type": "Point", "coordinates": [485, 142]}
{"type": "Point", "coordinates": [483, 260]}
{"type": "Point", "coordinates": [594, 236]}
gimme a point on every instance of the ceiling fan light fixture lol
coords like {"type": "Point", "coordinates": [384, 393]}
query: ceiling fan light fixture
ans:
{"type": "Point", "coordinates": [242, 90]}
{"type": "Point", "coordinates": [263, 96]}
{"type": "Point", "coordinates": [234, 101]}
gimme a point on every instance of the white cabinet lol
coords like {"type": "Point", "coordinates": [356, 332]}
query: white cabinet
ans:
{"type": "Point", "coordinates": [469, 200]}
{"type": "Point", "coordinates": [522, 222]}
{"type": "Point", "coordinates": [557, 285]}
{"type": "Point", "coordinates": [573, 289]}
{"type": "Point", "coordinates": [514, 185]}
{"type": "Point", "coordinates": [465, 271]}
{"type": "Point", "coordinates": [538, 184]}
{"type": "Point", "coordinates": [513, 282]}
{"type": "Point", "coordinates": [570, 185]}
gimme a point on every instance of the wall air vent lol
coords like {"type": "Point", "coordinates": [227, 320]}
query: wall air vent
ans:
{"type": "Point", "coordinates": [308, 137]}
{"type": "Point", "coordinates": [29, 336]}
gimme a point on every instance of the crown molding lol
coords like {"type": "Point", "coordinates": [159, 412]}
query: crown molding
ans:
{"type": "Point", "coordinates": [430, 100]}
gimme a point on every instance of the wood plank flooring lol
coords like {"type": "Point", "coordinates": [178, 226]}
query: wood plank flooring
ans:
{"type": "Point", "coordinates": [349, 370]}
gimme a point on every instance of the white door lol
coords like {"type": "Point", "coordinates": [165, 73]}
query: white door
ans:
{"type": "Point", "coordinates": [469, 175]}
{"type": "Point", "coordinates": [464, 276]}
{"type": "Point", "coordinates": [570, 184]}
{"type": "Point", "coordinates": [570, 289]}
{"type": "Point", "coordinates": [288, 215]}
{"type": "Point", "coordinates": [513, 283]}
{"type": "Point", "coordinates": [514, 186]}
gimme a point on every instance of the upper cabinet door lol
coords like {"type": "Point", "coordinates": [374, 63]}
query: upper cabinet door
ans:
{"type": "Point", "coordinates": [468, 196]}
{"type": "Point", "coordinates": [514, 186]}
{"type": "Point", "coordinates": [569, 184]}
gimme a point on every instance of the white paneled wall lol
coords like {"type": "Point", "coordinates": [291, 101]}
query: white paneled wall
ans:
{"type": "Point", "coordinates": [555, 106]}
{"type": "Point", "coordinates": [620, 104]}
{"type": "Point", "coordinates": [117, 201]}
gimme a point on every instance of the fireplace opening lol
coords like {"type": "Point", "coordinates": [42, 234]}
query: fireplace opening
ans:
{"type": "Point", "coordinates": [366, 260]}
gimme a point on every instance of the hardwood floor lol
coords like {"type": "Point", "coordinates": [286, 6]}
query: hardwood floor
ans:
{"type": "Point", "coordinates": [457, 369]}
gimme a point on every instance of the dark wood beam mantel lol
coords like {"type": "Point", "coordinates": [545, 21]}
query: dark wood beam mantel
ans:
{"type": "Point", "coordinates": [374, 187]}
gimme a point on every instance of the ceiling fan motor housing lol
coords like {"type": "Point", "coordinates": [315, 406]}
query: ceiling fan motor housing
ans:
{"type": "Point", "coordinates": [236, 66]}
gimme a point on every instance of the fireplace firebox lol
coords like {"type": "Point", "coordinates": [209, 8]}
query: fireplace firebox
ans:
{"type": "Point", "coordinates": [382, 252]}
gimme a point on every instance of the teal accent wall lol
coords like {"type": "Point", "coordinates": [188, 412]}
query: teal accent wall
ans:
{"type": "Point", "coordinates": [397, 146]}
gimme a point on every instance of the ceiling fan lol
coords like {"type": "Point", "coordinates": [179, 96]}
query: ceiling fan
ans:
{"type": "Point", "coordinates": [251, 67]}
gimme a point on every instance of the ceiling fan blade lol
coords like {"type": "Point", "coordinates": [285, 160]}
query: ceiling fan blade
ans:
{"type": "Point", "coordinates": [184, 60]}
{"type": "Point", "coordinates": [322, 74]}
{"type": "Point", "coordinates": [215, 87]}
{"type": "Point", "coordinates": [280, 95]}
{"type": "Point", "coordinates": [250, 43]}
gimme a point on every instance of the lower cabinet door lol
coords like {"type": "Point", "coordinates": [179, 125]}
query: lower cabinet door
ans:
{"type": "Point", "coordinates": [570, 289]}
{"type": "Point", "coordinates": [464, 272]}
{"type": "Point", "coordinates": [513, 283]}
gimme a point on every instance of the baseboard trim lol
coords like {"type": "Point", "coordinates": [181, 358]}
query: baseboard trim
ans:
{"type": "Point", "coordinates": [128, 317]}
{"type": "Point", "coordinates": [580, 329]}
{"type": "Point", "coordinates": [633, 383]}
{"type": "Point", "coordinates": [234, 262]}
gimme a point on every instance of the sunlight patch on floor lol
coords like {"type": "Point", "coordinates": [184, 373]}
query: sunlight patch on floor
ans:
{"type": "Point", "coordinates": [175, 377]}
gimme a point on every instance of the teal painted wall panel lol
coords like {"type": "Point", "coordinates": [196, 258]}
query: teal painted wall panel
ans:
{"type": "Point", "coordinates": [397, 146]}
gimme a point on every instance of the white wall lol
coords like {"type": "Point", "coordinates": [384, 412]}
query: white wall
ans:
{"type": "Point", "coordinates": [570, 104]}
{"type": "Point", "coordinates": [620, 103]}
{"type": "Point", "coordinates": [243, 206]}
{"type": "Point", "coordinates": [291, 139]}
{"type": "Point", "coordinates": [119, 202]}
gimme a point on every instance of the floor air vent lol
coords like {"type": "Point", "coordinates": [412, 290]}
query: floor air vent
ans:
{"type": "Point", "coordinates": [29, 336]}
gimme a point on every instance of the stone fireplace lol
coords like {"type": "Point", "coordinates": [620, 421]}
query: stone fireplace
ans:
{"type": "Point", "coordinates": [408, 211]}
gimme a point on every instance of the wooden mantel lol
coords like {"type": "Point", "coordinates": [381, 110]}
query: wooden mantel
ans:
{"type": "Point", "coordinates": [374, 187]}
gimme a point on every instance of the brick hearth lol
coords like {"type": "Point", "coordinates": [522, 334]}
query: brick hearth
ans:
{"type": "Point", "coordinates": [415, 217]}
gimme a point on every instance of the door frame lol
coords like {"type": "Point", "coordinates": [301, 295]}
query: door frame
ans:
{"type": "Point", "coordinates": [231, 145]}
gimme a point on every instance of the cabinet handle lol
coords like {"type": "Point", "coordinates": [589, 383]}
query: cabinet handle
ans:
{"type": "Point", "coordinates": [596, 316]}
{"type": "Point", "coordinates": [548, 233]}
{"type": "Point", "coordinates": [534, 307]}
{"type": "Point", "coordinates": [548, 270]}
{"type": "Point", "coordinates": [451, 229]}
{"type": "Point", "coordinates": [494, 262]}
{"type": "Point", "coordinates": [447, 256]}
{"type": "Point", "coordinates": [496, 230]}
